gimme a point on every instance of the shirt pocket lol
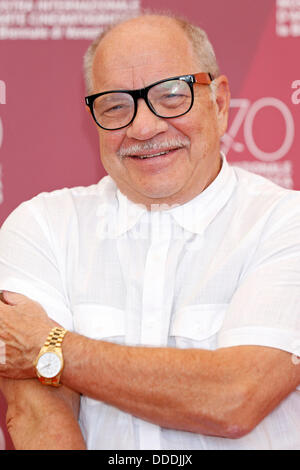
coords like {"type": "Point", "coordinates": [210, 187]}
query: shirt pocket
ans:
{"type": "Point", "coordinates": [197, 326]}
{"type": "Point", "coordinates": [100, 322]}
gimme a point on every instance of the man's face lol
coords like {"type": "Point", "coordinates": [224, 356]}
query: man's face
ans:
{"type": "Point", "coordinates": [136, 55]}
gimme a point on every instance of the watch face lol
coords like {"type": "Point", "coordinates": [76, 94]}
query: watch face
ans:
{"type": "Point", "coordinates": [49, 365]}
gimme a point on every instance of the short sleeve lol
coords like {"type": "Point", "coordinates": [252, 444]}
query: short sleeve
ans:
{"type": "Point", "coordinates": [29, 261]}
{"type": "Point", "coordinates": [265, 309]}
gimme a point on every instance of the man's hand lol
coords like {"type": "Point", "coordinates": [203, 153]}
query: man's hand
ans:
{"type": "Point", "coordinates": [24, 327]}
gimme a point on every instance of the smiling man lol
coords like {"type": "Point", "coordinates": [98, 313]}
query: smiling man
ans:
{"type": "Point", "coordinates": [189, 144]}
{"type": "Point", "coordinates": [166, 297]}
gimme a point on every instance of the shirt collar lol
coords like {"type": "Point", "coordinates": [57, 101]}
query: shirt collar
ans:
{"type": "Point", "coordinates": [194, 216]}
{"type": "Point", "coordinates": [197, 214]}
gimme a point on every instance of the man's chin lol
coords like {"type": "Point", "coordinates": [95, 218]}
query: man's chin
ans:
{"type": "Point", "coordinates": [154, 197]}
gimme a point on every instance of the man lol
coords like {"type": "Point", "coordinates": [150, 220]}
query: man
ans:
{"type": "Point", "coordinates": [176, 277]}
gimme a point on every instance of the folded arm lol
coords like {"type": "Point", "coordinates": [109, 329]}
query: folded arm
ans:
{"type": "Point", "coordinates": [41, 418]}
{"type": "Point", "coordinates": [225, 393]}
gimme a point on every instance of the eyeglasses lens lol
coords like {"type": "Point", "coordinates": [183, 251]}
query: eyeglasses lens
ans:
{"type": "Point", "coordinates": [114, 110]}
{"type": "Point", "coordinates": [167, 99]}
{"type": "Point", "coordinates": [171, 98]}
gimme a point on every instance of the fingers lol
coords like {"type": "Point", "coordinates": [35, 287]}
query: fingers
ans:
{"type": "Point", "coordinates": [12, 298]}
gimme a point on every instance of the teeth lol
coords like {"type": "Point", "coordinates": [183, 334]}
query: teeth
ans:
{"type": "Point", "coordinates": [154, 155]}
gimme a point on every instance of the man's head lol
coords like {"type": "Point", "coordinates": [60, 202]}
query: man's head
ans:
{"type": "Point", "coordinates": [133, 55]}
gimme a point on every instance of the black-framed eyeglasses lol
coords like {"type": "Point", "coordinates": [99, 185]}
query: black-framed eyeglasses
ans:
{"type": "Point", "coordinates": [169, 98]}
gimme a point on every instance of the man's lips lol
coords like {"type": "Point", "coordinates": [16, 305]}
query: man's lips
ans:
{"type": "Point", "coordinates": [153, 154]}
{"type": "Point", "coordinates": [152, 148]}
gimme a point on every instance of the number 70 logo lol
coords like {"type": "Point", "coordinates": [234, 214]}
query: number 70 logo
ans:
{"type": "Point", "coordinates": [245, 116]}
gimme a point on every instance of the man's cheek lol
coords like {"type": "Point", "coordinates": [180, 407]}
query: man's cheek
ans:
{"type": "Point", "coordinates": [110, 141]}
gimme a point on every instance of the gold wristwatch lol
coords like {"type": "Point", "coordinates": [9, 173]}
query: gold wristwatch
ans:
{"type": "Point", "coordinates": [49, 363]}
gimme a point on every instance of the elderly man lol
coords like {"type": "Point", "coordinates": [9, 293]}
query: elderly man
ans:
{"type": "Point", "coordinates": [173, 283]}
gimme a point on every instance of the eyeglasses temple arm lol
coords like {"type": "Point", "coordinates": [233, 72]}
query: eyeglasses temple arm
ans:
{"type": "Point", "coordinates": [204, 78]}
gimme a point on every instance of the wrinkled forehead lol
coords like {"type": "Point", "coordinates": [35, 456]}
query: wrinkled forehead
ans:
{"type": "Point", "coordinates": [141, 54]}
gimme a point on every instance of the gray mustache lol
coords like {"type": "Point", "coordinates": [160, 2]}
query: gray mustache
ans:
{"type": "Point", "coordinates": [139, 148]}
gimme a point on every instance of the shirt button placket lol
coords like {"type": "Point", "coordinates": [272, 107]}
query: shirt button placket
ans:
{"type": "Point", "coordinates": [153, 306]}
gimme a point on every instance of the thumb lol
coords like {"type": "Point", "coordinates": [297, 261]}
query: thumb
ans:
{"type": "Point", "coordinates": [12, 298]}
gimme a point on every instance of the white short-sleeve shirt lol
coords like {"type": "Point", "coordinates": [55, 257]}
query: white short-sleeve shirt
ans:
{"type": "Point", "coordinates": [219, 271]}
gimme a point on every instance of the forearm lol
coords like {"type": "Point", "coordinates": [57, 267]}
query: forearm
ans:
{"type": "Point", "coordinates": [39, 418]}
{"type": "Point", "coordinates": [225, 392]}
{"type": "Point", "coordinates": [174, 388]}
{"type": "Point", "coordinates": [50, 433]}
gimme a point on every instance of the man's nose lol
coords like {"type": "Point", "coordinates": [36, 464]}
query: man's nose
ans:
{"type": "Point", "coordinates": [146, 124]}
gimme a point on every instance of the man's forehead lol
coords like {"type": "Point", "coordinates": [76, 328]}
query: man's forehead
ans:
{"type": "Point", "coordinates": [157, 56]}
{"type": "Point", "coordinates": [141, 38]}
{"type": "Point", "coordinates": [146, 59]}
{"type": "Point", "coordinates": [144, 71]}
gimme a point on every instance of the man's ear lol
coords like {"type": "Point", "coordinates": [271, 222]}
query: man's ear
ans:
{"type": "Point", "coordinates": [222, 97]}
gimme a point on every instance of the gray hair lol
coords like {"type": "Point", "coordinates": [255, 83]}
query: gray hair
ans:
{"type": "Point", "coordinates": [203, 48]}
